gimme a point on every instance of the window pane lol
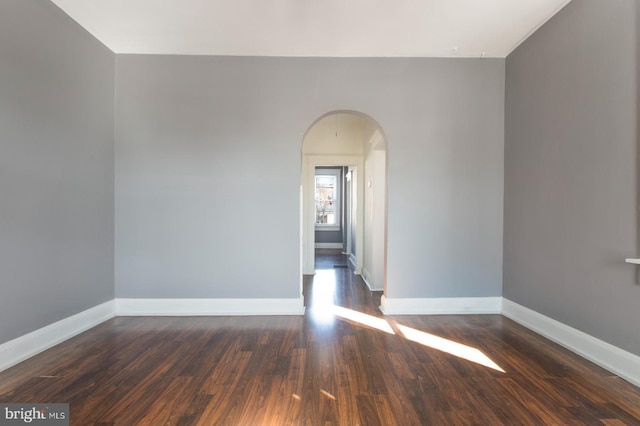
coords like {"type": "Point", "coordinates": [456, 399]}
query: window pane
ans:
{"type": "Point", "coordinates": [326, 199]}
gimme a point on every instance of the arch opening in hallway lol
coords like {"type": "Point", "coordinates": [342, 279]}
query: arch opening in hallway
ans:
{"type": "Point", "coordinates": [353, 146]}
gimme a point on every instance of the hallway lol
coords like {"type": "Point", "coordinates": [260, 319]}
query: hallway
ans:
{"type": "Point", "coordinates": [335, 283]}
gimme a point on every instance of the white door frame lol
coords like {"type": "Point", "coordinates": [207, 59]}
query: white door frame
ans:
{"type": "Point", "coordinates": [309, 164]}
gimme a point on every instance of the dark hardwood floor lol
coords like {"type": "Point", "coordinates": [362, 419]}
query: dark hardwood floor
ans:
{"type": "Point", "coordinates": [343, 363]}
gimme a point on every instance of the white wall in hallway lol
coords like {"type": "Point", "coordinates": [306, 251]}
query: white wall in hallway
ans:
{"type": "Point", "coordinates": [374, 264]}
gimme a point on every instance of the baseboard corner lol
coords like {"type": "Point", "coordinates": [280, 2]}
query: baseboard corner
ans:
{"type": "Point", "coordinates": [24, 347]}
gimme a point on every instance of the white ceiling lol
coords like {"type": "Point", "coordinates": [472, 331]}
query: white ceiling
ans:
{"type": "Point", "coordinates": [334, 28]}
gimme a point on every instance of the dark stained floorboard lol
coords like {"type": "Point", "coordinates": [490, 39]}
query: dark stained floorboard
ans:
{"type": "Point", "coordinates": [328, 367]}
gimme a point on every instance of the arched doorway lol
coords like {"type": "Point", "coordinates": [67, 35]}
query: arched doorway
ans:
{"type": "Point", "coordinates": [351, 146]}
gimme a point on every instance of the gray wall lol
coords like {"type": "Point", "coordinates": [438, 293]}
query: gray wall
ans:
{"type": "Point", "coordinates": [56, 168]}
{"type": "Point", "coordinates": [329, 237]}
{"type": "Point", "coordinates": [203, 144]}
{"type": "Point", "coordinates": [571, 171]}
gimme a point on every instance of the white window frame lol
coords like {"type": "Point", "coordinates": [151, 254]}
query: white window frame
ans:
{"type": "Point", "coordinates": [337, 204]}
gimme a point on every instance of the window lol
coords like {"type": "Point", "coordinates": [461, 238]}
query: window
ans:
{"type": "Point", "coordinates": [327, 199]}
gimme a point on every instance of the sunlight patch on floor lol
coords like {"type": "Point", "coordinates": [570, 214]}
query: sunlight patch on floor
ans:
{"type": "Point", "coordinates": [324, 312]}
{"type": "Point", "coordinates": [445, 345]}
{"type": "Point", "coordinates": [323, 294]}
{"type": "Point", "coordinates": [364, 319]}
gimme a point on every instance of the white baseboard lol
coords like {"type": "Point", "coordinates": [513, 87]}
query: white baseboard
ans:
{"type": "Point", "coordinates": [440, 306]}
{"type": "Point", "coordinates": [212, 307]}
{"type": "Point", "coordinates": [328, 245]}
{"type": "Point", "coordinates": [612, 358]}
{"type": "Point", "coordinates": [366, 281]}
{"type": "Point", "coordinates": [23, 347]}
{"type": "Point", "coordinates": [607, 356]}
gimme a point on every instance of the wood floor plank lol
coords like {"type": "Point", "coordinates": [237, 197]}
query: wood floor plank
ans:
{"type": "Point", "coordinates": [320, 369]}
